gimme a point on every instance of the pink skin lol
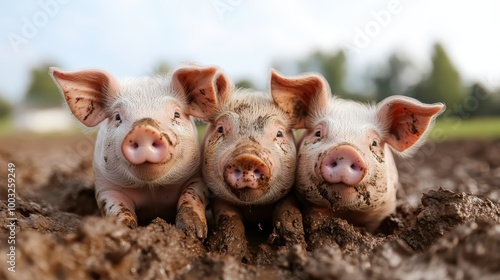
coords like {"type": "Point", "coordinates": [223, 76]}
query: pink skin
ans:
{"type": "Point", "coordinates": [146, 158]}
{"type": "Point", "coordinates": [144, 144]}
{"type": "Point", "coordinates": [345, 166]}
{"type": "Point", "coordinates": [249, 152]}
{"type": "Point", "coordinates": [248, 163]}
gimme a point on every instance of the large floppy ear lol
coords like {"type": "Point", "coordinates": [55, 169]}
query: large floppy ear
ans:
{"type": "Point", "coordinates": [297, 96]}
{"type": "Point", "coordinates": [406, 122]}
{"type": "Point", "coordinates": [203, 88]}
{"type": "Point", "coordinates": [86, 92]}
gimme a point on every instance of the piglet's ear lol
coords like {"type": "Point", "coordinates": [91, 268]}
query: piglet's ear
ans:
{"type": "Point", "coordinates": [203, 88]}
{"type": "Point", "coordinates": [407, 122]}
{"type": "Point", "coordinates": [298, 96]}
{"type": "Point", "coordinates": [86, 92]}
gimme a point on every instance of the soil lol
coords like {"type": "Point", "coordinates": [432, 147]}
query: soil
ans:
{"type": "Point", "coordinates": [447, 225]}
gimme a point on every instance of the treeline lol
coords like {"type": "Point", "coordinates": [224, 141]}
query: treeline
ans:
{"type": "Point", "coordinates": [41, 92]}
{"type": "Point", "coordinates": [398, 75]}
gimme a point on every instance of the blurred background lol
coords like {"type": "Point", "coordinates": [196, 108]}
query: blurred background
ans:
{"type": "Point", "coordinates": [435, 51]}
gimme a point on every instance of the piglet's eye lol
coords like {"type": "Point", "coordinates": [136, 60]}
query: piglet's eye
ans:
{"type": "Point", "coordinates": [279, 134]}
{"type": "Point", "coordinates": [220, 129]}
{"type": "Point", "coordinates": [177, 115]}
{"type": "Point", "coordinates": [374, 143]}
{"type": "Point", "coordinates": [317, 134]}
{"type": "Point", "coordinates": [117, 117]}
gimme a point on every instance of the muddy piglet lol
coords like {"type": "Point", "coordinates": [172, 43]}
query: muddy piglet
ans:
{"type": "Point", "coordinates": [248, 164]}
{"type": "Point", "coordinates": [345, 166]}
{"type": "Point", "coordinates": [147, 155]}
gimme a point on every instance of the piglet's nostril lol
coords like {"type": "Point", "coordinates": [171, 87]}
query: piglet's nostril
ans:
{"type": "Point", "coordinates": [259, 173]}
{"type": "Point", "coordinates": [144, 144]}
{"type": "Point", "coordinates": [343, 164]}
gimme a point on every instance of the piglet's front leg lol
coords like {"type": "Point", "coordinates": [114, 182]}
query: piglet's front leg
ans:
{"type": "Point", "coordinates": [288, 229]}
{"type": "Point", "coordinates": [113, 200]}
{"type": "Point", "coordinates": [229, 236]}
{"type": "Point", "coordinates": [191, 206]}
{"type": "Point", "coordinates": [115, 203]}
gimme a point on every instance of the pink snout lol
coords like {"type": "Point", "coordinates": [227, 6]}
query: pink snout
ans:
{"type": "Point", "coordinates": [344, 165]}
{"type": "Point", "coordinates": [246, 171]}
{"type": "Point", "coordinates": [144, 144]}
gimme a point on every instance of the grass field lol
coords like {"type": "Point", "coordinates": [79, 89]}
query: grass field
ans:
{"type": "Point", "coordinates": [6, 126]}
{"type": "Point", "coordinates": [466, 129]}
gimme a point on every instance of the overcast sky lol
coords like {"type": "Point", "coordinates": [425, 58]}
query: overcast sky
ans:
{"type": "Point", "coordinates": [244, 37]}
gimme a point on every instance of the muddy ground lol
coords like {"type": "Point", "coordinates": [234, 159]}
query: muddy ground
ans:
{"type": "Point", "coordinates": [447, 225]}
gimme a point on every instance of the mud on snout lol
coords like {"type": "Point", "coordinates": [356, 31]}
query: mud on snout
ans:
{"type": "Point", "coordinates": [340, 196]}
{"type": "Point", "coordinates": [247, 176]}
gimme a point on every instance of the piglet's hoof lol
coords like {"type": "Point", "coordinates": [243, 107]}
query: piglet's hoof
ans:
{"type": "Point", "coordinates": [191, 223]}
{"type": "Point", "coordinates": [128, 218]}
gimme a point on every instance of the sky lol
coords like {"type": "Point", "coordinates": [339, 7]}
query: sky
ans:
{"type": "Point", "coordinates": [244, 37]}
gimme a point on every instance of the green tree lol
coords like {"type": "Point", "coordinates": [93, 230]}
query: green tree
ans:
{"type": "Point", "coordinates": [391, 80]}
{"type": "Point", "coordinates": [245, 83]}
{"type": "Point", "coordinates": [443, 84]}
{"type": "Point", "coordinates": [5, 108]}
{"type": "Point", "coordinates": [480, 102]}
{"type": "Point", "coordinates": [330, 65]}
{"type": "Point", "coordinates": [162, 68]}
{"type": "Point", "coordinates": [42, 91]}
{"type": "Point", "coordinates": [495, 104]}
{"type": "Point", "coordinates": [333, 67]}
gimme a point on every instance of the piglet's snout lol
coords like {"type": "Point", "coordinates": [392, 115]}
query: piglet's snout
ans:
{"type": "Point", "coordinates": [343, 164]}
{"type": "Point", "coordinates": [144, 144]}
{"type": "Point", "coordinates": [246, 171]}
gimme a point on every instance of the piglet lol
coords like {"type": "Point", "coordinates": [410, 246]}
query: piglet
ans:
{"type": "Point", "coordinates": [345, 166]}
{"type": "Point", "coordinates": [249, 165]}
{"type": "Point", "coordinates": [147, 156]}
